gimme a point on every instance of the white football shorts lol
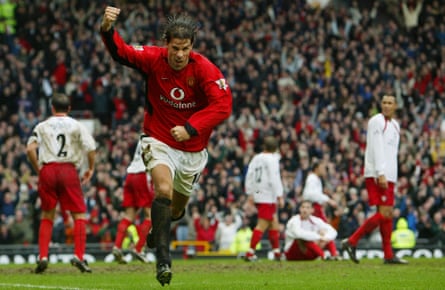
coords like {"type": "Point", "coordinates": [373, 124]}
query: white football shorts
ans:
{"type": "Point", "coordinates": [185, 167]}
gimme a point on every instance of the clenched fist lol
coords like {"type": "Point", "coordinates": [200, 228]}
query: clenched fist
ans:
{"type": "Point", "coordinates": [110, 16]}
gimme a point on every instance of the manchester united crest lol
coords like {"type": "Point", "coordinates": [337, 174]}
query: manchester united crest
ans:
{"type": "Point", "coordinates": [191, 81]}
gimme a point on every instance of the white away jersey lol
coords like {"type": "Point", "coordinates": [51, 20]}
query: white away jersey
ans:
{"type": "Point", "coordinates": [307, 230]}
{"type": "Point", "coordinates": [382, 145]}
{"type": "Point", "coordinates": [137, 164]}
{"type": "Point", "coordinates": [263, 178]}
{"type": "Point", "coordinates": [313, 189]}
{"type": "Point", "coordinates": [62, 139]}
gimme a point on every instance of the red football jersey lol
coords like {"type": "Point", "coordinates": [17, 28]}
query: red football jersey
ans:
{"type": "Point", "coordinates": [198, 94]}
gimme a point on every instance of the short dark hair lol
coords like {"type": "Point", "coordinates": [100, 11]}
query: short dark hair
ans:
{"type": "Point", "coordinates": [61, 103]}
{"type": "Point", "coordinates": [389, 96]}
{"type": "Point", "coordinates": [315, 165]}
{"type": "Point", "coordinates": [270, 144]}
{"type": "Point", "coordinates": [180, 26]}
{"type": "Point", "coordinates": [306, 201]}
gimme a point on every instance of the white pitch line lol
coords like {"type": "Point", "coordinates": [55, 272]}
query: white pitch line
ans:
{"type": "Point", "coordinates": [40, 287]}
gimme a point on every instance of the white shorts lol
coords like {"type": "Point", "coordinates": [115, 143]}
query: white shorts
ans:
{"type": "Point", "coordinates": [185, 167]}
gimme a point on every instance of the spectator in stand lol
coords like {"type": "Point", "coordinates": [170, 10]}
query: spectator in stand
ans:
{"type": "Point", "coordinates": [6, 237]}
{"type": "Point", "coordinates": [7, 21]}
{"type": "Point", "coordinates": [55, 150]}
{"type": "Point", "coordinates": [307, 236]}
{"type": "Point", "coordinates": [205, 228]}
{"type": "Point", "coordinates": [265, 189]}
{"type": "Point", "coordinates": [402, 237]}
{"type": "Point", "coordinates": [440, 237]}
{"type": "Point", "coordinates": [138, 194]}
{"type": "Point", "coordinates": [226, 232]}
{"type": "Point", "coordinates": [131, 239]}
{"type": "Point", "coordinates": [58, 234]}
{"type": "Point", "coordinates": [8, 204]}
{"type": "Point", "coordinates": [182, 227]}
{"type": "Point", "coordinates": [411, 11]}
{"type": "Point", "coordinates": [424, 227]}
{"type": "Point", "coordinates": [241, 243]}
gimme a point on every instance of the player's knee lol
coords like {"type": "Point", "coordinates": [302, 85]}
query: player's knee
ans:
{"type": "Point", "coordinates": [386, 212]}
{"type": "Point", "coordinates": [164, 190]}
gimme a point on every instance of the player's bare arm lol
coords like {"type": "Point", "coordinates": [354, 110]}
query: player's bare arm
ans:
{"type": "Point", "coordinates": [280, 201]}
{"type": "Point", "coordinates": [110, 16]}
{"type": "Point", "coordinates": [31, 152]}
{"type": "Point", "coordinates": [89, 172]}
{"type": "Point", "coordinates": [381, 180]}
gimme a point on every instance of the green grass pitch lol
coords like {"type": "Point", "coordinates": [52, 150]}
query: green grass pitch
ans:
{"type": "Point", "coordinates": [234, 274]}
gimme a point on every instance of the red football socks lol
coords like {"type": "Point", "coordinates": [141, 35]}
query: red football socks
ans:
{"type": "Point", "coordinates": [45, 234]}
{"type": "Point", "coordinates": [256, 237]}
{"type": "Point", "coordinates": [145, 229]}
{"type": "Point", "coordinates": [121, 232]}
{"type": "Point", "coordinates": [332, 248]}
{"type": "Point", "coordinates": [274, 239]}
{"type": "Point", "coordinates": [80, 238]}
{"type": "Point", "coordinates": [367, 227]}
{"type": "Point", "coordinates": [313, 250]}
{"type": "Point", "coordinates": [386, 231]}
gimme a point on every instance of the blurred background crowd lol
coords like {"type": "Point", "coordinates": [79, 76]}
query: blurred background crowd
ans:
{"type": "Point", "coordinates": [310, 74]}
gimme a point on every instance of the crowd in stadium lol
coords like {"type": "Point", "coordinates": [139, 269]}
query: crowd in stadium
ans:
{"type": "Point", "coordinates": [311, 76]}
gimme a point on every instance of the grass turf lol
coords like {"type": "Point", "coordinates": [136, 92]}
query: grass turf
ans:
{"type": "Point", "coordinates": [234, 274]}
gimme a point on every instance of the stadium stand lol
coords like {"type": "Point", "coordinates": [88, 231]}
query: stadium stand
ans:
{"type": "Point", "coordinates": [316, 73]}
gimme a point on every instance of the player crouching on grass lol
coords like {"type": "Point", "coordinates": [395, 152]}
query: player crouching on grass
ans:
{"type": "Point", "coordinates": [307, 236]}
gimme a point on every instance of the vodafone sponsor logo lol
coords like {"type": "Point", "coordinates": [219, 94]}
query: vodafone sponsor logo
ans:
{"type": "Point", "coordinates": [179, 105]}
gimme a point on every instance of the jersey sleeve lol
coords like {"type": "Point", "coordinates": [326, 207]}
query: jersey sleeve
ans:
{"type": "Point", "coordinates": [88, 142]}
{"type": "Point", "coordinates": [250, 184]}
{"type": "Point", "coordinates": [375, 128]}
{"type": "Point", "coordinates": [294, 230]}
{"type": "Point", "coordinates": [135, 56]}
{"type": "Point", "coordinates": [330, 232]}
{"type": "Point", "coordinates": [313, 190]}
{"type": "Point", "coordinates": [275, 176]}
{"type": "Point", "coordinates": [219, 97]}
{"type": "Point", "coordinates": [34, 136]}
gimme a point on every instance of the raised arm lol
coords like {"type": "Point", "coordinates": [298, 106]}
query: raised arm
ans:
{"type": "Point", "coordinates": [110, 16]}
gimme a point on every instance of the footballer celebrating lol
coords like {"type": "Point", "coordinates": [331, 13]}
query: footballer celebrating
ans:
{"type": "Point", "coordinates": [187, 96]}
